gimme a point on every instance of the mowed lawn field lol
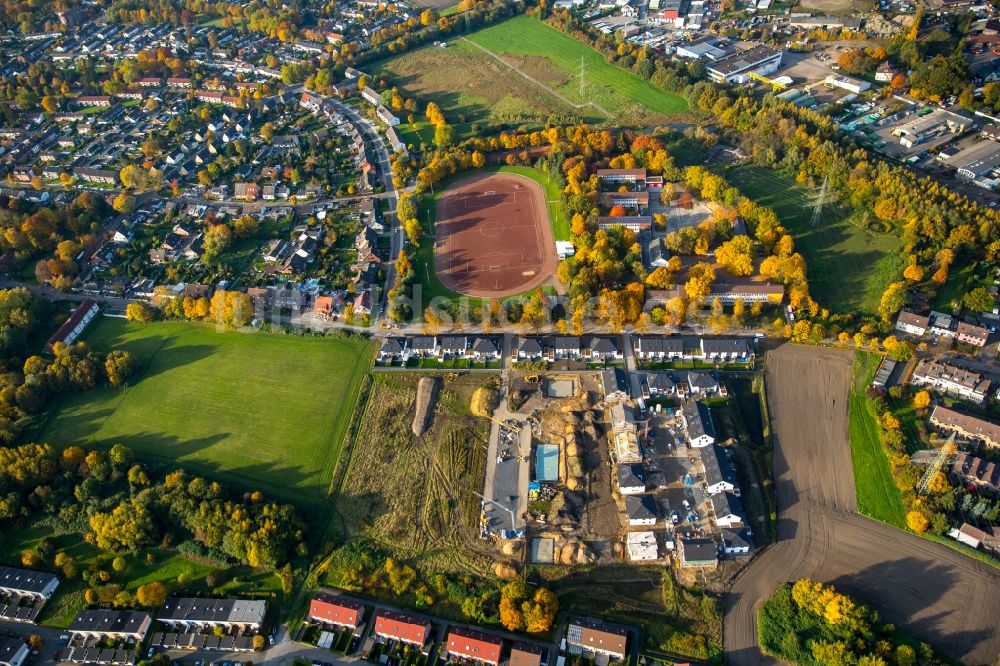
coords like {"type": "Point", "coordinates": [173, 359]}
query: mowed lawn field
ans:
{"type": "Point", "coordinates": [260, 411]}
{"type": "Point", "coordinates": [848, 268]}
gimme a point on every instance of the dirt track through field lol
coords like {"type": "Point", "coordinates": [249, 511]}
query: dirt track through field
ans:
{"type": "Point", "coordinates": [930, 591]}
{"type": "Point", "coordinates": [493, 236]}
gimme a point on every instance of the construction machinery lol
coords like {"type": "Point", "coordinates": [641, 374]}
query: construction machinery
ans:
{"type": "Point", "coordinates": [451, 376]}
{"type": "Point", "coordinates": [775, 85]}
{"type": "Point", "coordinates": [510, 425]}
{"type": "Point", "coordinates": [532, 379]}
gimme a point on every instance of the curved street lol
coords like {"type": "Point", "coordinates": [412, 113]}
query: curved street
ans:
{"type": "Point", "coordinates": [928, 590]}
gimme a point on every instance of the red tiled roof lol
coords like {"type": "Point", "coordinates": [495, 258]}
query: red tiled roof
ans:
{"type": "Point", "coordinates": [336, 610]}
{"type": "Point", "coordinates": [402, 627]}
{"type": "Point", "coordinates": [475, 645]}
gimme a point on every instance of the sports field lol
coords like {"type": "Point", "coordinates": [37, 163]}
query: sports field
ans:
{"type": "Point", "coordinates": [262, 411]}
{"type": "Point", "coordinates": [423, 255]}
{"type": "Point", "coordinates": [848, 268]}
{"type": "Point", "coordinates": [493, 237]}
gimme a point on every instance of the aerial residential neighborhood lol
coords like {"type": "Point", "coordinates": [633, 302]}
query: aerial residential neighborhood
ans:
{"type": "Point", "coordinates": [500, 332]}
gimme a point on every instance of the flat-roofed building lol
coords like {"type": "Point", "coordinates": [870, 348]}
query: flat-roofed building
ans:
{"type": "Point", "coordinates": [978, 163]}
{"type": "Point", "coordinates": [642, 546]}
{"type": "Point", "coordinates": [622, 176]}
{"type": "Point", "coordinates": [736, 68]}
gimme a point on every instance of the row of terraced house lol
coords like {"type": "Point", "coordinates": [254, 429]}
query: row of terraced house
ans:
{"type": "Point", "coordinates": [598, 348]}
{"type": "Point", "coordinates": [462, 643]}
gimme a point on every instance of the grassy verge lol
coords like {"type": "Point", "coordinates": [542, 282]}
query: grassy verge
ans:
{"type": "Point", "coordinates": [878, 496]}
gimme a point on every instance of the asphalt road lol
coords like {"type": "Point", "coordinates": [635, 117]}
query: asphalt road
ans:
{"type": "Point", "coordinates": [930, 591]}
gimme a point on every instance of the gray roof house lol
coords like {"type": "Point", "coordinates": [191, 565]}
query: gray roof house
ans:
{"type": "Point", "coordinates": [698, 424]}
{"type": "Point", "coordinates": [599, 347]}
{"type": "Point", "coordinates": [698, 553]}
{"type": "Point", "coordinates": [720, 476]}
{"type": "Point", "coordinates": [392, 348]}
{"type": "Point", "coordinates": [529, 348]}
{"type": "Point", "coordinates": [616, 384]}
{"type": "Point", "coordinates": [23, 582]}
{"type": "Point", "coordinates": [736, 542]}
{"type": "Point", "coordinates": [423, 345]}
{"type": "Point", "coordinates": [728, 510]}
{"type": "Point", "coordinates": [640, 509]}
{"type": "Point", "coordinates": [631, 479]}
{"type": "Point", "coordinates": [227, 613]}
{"type": "Point", "coordinates": [454, 345]}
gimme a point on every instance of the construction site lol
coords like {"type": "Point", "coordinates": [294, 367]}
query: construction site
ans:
{"type": "Point", "coordinates": [580, 472]}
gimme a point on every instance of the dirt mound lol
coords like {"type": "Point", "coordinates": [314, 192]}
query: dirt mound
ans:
{"type": "Point", "coordinates": [504, 571]}
{"type": "Point", "coordinates": [428, 389]}
{"type": "Point", "coordinates": [484, 401]}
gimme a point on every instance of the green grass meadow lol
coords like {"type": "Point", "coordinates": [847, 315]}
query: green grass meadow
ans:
{"type": "Point", "coordinates": [260, 411]}
{"type": "Point", "coordinates": [453, 77]}
{"type": "Point", "coordinates": [604, 84]}
{"type": "Point", "coordinates": [878, 496]}
{"type": "Point", "coordinates": [848, 268]}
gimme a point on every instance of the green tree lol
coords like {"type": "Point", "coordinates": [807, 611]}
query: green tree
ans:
{"type": "Point", "coordinates": [979, 299]}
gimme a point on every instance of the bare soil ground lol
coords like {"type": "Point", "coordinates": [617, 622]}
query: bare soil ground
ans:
{"type": "Point", "coordinates": [493, 236]}
{"type": "Point", "coordinates": [416, 495]}
{"type": "Point", "coordinates": [928, 590]}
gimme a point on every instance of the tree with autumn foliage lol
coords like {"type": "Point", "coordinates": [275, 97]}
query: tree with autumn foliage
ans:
{"type": "Point", "coordinates": [736, 256]}
{"type": "Point", "coordinates": [525, 608]}
{"type": "Point", "coordinates": [892, 301]}
{"type": "Point", "coordinates": [922, 400]}
{"type": "Point", "coordinates": [917, 521]}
